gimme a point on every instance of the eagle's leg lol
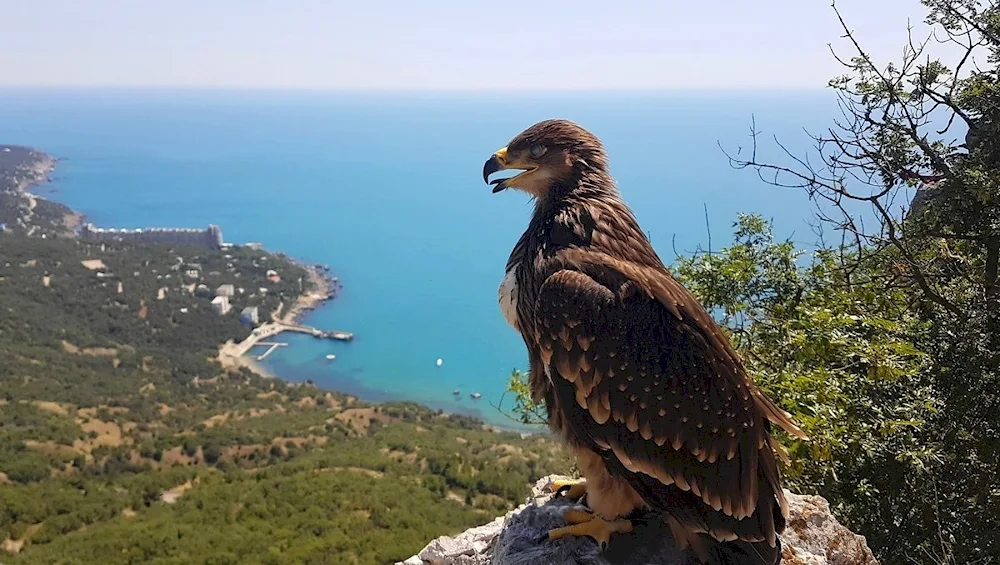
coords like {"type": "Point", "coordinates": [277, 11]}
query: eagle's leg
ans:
{"type": "Point", "coordinates": [573, 489]}
{"type": "Point", "coordinates": [586, 523]}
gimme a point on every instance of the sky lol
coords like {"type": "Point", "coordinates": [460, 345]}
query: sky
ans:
{"type": "Point", "coordinates": [440, 44]}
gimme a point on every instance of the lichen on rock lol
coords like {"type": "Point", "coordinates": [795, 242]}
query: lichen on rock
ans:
{"type": "Point", "coordinates": [813, 537]}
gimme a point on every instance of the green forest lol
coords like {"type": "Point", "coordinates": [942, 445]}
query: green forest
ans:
{"type": "Point", "coordinates": [123, 440]}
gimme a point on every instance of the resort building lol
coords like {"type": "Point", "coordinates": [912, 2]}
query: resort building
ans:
{"type": "Point", "coordinates": [210, 237]}
{"type": "Point", "coordinates": [221, 305]}
{"type": "Point", "coordinates": [249, 316]}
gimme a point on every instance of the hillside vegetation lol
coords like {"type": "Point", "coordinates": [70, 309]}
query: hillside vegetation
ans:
{"type": "Point", "coordinates": [123, 440]}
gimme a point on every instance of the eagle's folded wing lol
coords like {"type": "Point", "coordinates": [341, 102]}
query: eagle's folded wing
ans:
{"type": "Point", "coordinates": [642, 374]}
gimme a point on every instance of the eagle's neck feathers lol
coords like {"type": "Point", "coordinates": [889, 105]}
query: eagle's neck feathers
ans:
{"type": "Point", "coordinates": [584, 211]}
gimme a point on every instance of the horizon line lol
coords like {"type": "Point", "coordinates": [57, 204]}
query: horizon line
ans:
{"type": "Point", "coordinates": [404, 90]}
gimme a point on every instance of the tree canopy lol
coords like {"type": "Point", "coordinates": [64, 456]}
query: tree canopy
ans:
{"type": "Point", "coordinates": [123, 440]}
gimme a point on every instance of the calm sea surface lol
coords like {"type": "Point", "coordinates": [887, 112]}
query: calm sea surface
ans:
{"type": "Point", "coordinates": [387, 190]}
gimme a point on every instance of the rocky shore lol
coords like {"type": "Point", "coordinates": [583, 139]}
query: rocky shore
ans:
{"type": "Point", "coordinates": [24, 168]}
{"type": "Point", "coordinates": [21, 170]}
{"type": "Point", "coordinates": [321, 288]}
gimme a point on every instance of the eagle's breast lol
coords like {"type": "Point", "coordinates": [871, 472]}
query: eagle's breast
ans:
{"type": "Point", "coordinates": [508, 297]}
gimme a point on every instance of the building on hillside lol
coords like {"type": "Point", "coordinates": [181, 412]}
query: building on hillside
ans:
{"type": "Point", "coordinates": [226, 290]}
{"type": "Point", "coordinates": [250, 316]}
{"type": "Point", "coordinates": [221, 305]}
{"type": "Point", "coordinates": [210, 237]}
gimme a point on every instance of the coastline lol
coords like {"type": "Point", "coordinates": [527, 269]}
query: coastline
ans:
{"type": "Point", "coordinates": [320, 287]}
{"type": "Point", "coordinates": [237, 362]}
{"type": "Point", "coordinates": [38, 172]}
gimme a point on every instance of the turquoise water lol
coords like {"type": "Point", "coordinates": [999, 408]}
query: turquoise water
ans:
{"type": "Point", "coordinates": [387, 190]}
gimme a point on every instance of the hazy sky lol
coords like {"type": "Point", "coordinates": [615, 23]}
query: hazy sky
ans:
{"type": "Point", "coordinates": [439, 44]}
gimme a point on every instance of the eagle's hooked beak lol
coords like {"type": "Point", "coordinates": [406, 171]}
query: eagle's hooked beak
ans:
{"type": "Point", "coordinates": [496, 162]}
{"type": "Point", "coordinates": [499, 162]}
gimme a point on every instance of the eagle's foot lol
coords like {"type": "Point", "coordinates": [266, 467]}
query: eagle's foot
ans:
{"type": "Point", "coordinates": [571, 489]}
{"type": "Point", "coordinates": [586, 523]}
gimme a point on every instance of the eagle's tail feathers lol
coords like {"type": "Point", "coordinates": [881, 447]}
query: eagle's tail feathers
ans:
{"type": "Point", "coordinates": [739, 552]}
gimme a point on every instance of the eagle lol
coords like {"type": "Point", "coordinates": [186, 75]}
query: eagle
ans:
{"type": "Point", "coordinates": [637, 378]}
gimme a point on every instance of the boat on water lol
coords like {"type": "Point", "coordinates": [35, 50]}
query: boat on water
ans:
{"type": "Point", "coordinates": [330, 357]}
{"type": "Point", "coordinates": [457, 392]}
{"type": "Point", "coordinates": [476, 396]}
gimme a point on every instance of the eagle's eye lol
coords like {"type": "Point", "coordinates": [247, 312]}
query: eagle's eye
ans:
{"type": "Point", "coordinates": [536, 150]}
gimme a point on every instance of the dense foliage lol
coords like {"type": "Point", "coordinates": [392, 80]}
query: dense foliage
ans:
{"type": "Point", "coordinates": [123, 440]}
{"type": "Point", "coordinates": [846, 360]}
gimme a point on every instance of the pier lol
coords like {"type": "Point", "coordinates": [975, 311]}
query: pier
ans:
{"type": "Point", "coordinates": [271, 346]}
{"type": "Point", "coordinates": [271, 329]}
{"type": "Point", "coordinates": [338, 335]}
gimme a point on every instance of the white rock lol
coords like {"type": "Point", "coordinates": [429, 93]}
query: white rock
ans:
{"type": "Point", "coordinates": [813, 537]}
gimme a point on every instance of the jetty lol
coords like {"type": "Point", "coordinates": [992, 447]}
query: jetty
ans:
{"type": "Point", "coordinates": [271, 329]}
{"type": "Point", "coordinates": [338, 335]}
{"type": "Point", "coordinates": [271, 346]}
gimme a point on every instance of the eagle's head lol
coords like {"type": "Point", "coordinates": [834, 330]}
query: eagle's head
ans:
{"type": "Point", "coordinates": [553, 156]}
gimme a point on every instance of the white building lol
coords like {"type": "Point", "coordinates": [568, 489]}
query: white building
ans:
{"type": "Point", "coordinates": [250, 316]}
{"type": "Point", "coordinates": [221, 305]}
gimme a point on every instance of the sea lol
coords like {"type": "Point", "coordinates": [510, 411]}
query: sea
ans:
{"type": "Point", "coordinates": [386, 188]}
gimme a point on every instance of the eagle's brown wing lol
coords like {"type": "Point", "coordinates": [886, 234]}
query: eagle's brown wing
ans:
{"type": "Point", "coordinates": [642, 375]}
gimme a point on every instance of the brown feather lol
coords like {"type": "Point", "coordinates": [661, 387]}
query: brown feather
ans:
{"type": "Point", "coordinates": [638, 367]}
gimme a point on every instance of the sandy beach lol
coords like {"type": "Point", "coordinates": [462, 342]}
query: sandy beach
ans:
{"type": "Point", "coordinates": [230, 361]}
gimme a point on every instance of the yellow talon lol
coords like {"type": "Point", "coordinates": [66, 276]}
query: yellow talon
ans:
{"type": "Point", "coordinates": [578, 515]}
{"type": "Point", "coordinates": [584, 523]}
{"type": "Point", "coordinates": [571, 489]}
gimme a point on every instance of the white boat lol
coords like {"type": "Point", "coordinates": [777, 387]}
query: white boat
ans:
{"type": "Point", "coordinates": [440, 361]}
{"type": "Point", "coordinates": [330, 357]}
{"type": "Point", "coordinates": [475, 396]}
{"type": "Point", "coordinates": [457, 392]}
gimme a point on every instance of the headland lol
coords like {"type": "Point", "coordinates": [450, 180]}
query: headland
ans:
{"type": "Point", "coordinates": [24, 168]}
{"type": "Point", "coordinates": [21, 169]}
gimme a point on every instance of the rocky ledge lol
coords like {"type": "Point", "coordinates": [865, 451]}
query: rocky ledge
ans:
{"type": "Point", "coordinates": [813, 537]}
